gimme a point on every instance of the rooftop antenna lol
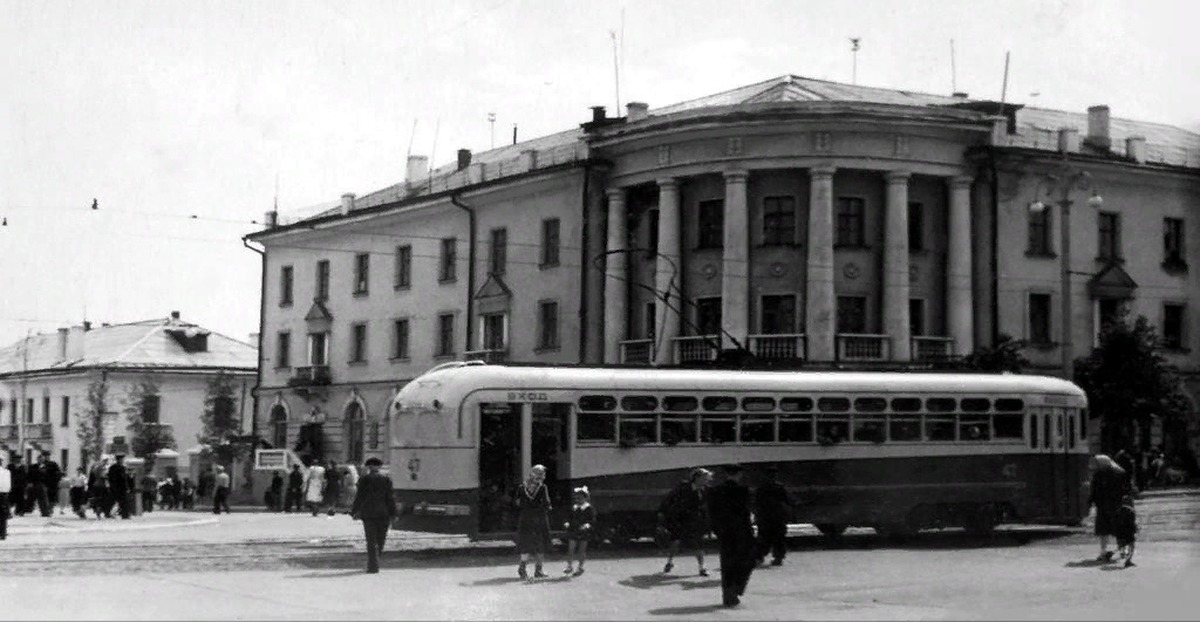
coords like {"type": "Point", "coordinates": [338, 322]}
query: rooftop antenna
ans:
{"type": "Point", "coordinates": [854, 52]}
{"type": "Point", "coordinates": [411, 137]}
{"type": "Point", "coordinates": [276, 208]}
{"type": "Point", "coordinates": [492, 123]}
{"type": "Point", "coordinates": [616, 68]}
{"type": "Point", "coordinates": [953, 70]}
{"type": "Point", "coordinates": [432, 151]}
{"type": "Point", "coordinates": [1004, 86]}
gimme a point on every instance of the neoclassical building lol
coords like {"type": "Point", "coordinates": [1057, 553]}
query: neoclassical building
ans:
{"type": "Point", "coordinates": [796, 218]}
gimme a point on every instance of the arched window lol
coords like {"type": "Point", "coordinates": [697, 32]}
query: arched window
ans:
{"type": "Point", "coordinates": [279, 426]}
{"type": "Point", "coordinates": [354, 433]}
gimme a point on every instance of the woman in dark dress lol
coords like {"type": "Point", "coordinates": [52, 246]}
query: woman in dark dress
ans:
{"type": "Point", "coordinates": [333, 487]}
{"type": "Point", "coordinates": [684, 516]}
{"type": "Point", "coordinates": [1109, 486]}
{"type": "Point", "coordinates": [533, 521]}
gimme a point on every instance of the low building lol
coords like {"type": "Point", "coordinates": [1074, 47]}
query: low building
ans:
{"type": "Point", "coordinates": [45, 380]}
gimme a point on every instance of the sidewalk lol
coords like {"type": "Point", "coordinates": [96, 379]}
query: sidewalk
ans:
{"type": "Point", "coordinates": [1169, 492]}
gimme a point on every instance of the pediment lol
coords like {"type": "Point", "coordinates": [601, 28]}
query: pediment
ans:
{"type": "Point", "coordinates": [1112, 282]}
{"type": "Point", "coordinates": [493, 287]}
{"type": "Point", "coordinates": [318, 312]}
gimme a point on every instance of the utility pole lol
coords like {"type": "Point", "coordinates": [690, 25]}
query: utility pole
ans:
{"type": "Point", "coordinates": [23, 408]}
{"type": "Point", "coordinates": [854, 53]}
{"type": "Point", "coordinates": [492, 123]}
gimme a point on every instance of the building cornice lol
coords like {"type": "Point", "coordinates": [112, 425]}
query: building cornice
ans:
{"type": "Point", "coordinates": [124, 368]}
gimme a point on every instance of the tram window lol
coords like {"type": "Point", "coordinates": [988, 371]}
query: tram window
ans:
{"type": "Point", "coordinates": [596, 427]}
{"type": "Point", "coordinates": [1033, 431]}
{"type": "Point", "coordinates": [1083, 417]}
{"type": "Point", "coordinates": [869, 429]}
{"type": "Point", "coordinates": [906, 404]}
{"type": "Point", "coordinates": [939, 428]}
{"type": "Point", "coordinates": [597, 402]}
{"type": "Point", "coordinates": [833, 404]}
{"type": "Point", "coordinates": [796, 429]}
{"type": "Point", "coordinates": [904, 428]}
{"type": "Point", "coordinates": [1046, 431]}
{"type": "Point", "coordinates": [1009, 426]}
{"type": "Point", "coordinates": [940, 404]}
{"type": "Point", "coordinates": [758, 404]}
{"type": "Point", "coordinates": [975, 404]}
{"type": "Point", "coordinates": [1071, 435]}
{"type": "Point", "coordinates": [720, 403]}
{"type": "Point", "coordinates": [1010, 405]}
{"type": "Point", "coordinates": [830, 432]}
{"type": "Point", "coordinates": [638, 429]}
{"type": "Point", "coordinates": [639, 403]}
{"type": "Point", "coordinates": [974, 427]}
{"type": "Point", "coordinates": [680, 403]}
{"type": "Point", "coordinates": [677, 430]}
{"type": "Point", "coordinates": [796, 404]}
{"type": "Point", "coordinates": [758, 429]}
{"type": "Point", "coordinates": [870, 404]}
{"type": "Point", "coordinates": [718, 429]}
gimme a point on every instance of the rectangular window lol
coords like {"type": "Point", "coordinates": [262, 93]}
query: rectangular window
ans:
{"type": "Point", "coordinates": [362, 269]}
{"type": "Point", "coordinates": [286, 281]}
{"type": "Point", "coordinates": [498, 259]}
{"type": "Point", "coordinates": [400, 339]}
{"type": "Point", "coordinates": [449, 260]}
{"type": "Point", "coordinates": [1111, 310]}
{"type": "Point", "coordinates": [323, 280]}
{"type": "Point", "coordinates": [283, 349]}
{"type": "Point", "coordinates": [708, 316]}
{"type": "Point", "coordinates": [852, 314]}
{"type": "Point", "coordinates": [66, 412]}
{"type": "Point", "coordinates": [318, 349]}
{"type": "Point", "coordinates": [46, 409]}
{"type": "Point", "coordinates": [150, 408]}
{"type": "Point", "coordinates": [651, 320]}
{"type": "Point", "coordinates": [850, 226]}
{"type": "Point", "coordinates": [29, 410]}
{"type": "Point", "coordinates": [494, 326]}
{"type": "Point", "coordinates": [711, 221]}
{"type": "Point", "coordinates": [358, 345]}
{"type": "Point", "coordinates": [1172, 327]}
{"type": "Point", "coordinates": [1173, 248]}
{"type": "Point", "coordinates": [64, 457]}
{"type": "Point", "coordinates": [778, 315]}
{"type": "Point", "coordinates": [548, 325]}
{"type": "Point", "coordinates": [652, 232]}
{"type": "Point", "coordinates": [445, 341]}
{"type": "Point", "coordinates": [916, 227]}
{"type": "Point", "coordinates": [550, 242]}
{"type": "Point", "coordinates": [1110, 236]}
{"type": "Point", "coordinates": [403, 276]}
{"type": "Point", "coordinates": [1039, 318]}
{"type": "Point", "coordinates": [916, 317]}
{"type": "Point", "coordinates": [779, 221]}
{"type": "Point", "coordinates": [1039, 231]}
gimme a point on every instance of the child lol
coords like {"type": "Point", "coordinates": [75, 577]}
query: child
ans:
{"type": "Point", "coordinates": [1125, 530]}
{"type": "Point", "coordinates": [579, 528]}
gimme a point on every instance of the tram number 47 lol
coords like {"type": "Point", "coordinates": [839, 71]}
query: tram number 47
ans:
{"type": "Point", "coordinates": [527, 396]}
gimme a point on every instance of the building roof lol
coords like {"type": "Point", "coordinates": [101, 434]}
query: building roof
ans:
{"type": "Point", "coordinates": [148, 344]}
{"type": "Point", "coordinates": [1036, 128]}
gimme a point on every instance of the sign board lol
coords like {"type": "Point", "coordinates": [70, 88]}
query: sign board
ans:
{"type": "Point", "coordinates": [271, 459]}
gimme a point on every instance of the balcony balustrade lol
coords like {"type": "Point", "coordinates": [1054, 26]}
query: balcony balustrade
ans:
{"type": "Point", "coordinates": [637, 351]}
{"type": "Point", "coordinates": [311, 375]}
{"type": "Point", "coordinates": [491, 355]}
{"type": "Point", "coordinates": [932, 348]}
{"type": "Point", "coordinates": [779, 346]}
{"type": "Point", "coordinates": [37, 431]}
{"type": "Point", "coordinates": [696, 348]}
{"type": "Point", "coordinates": [862, 347]}
{"type": "Point", "coordinates": [8, 433]}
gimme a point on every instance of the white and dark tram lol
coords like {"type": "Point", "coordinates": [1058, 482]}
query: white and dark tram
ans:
{"type": "Point", "coordinates": [896, 451]}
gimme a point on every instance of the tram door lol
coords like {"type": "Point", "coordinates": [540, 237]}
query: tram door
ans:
{"type": "Point", "coordinates": [500, 465]}
{"type": "Point", "coordinates": [1073, 500]}
{"type": "Point", "coordinates": [1059, 433]}
{"type": "Point", "coordinates": [549, 445]}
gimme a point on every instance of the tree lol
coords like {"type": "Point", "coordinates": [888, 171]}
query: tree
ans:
{"type": "Point", "coordinates": [147, 435]}
{"type": "Point", "coordinates": [1127, 380]}
{"type": "Point", "coordinates": [1004, 355]}
{"type": "Point", "coordinates": [89, 424]}
{"type": "Point", "coordinates": [220, 421]}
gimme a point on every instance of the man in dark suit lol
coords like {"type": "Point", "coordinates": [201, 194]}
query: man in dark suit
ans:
{"type": "Point", "coordinates": [729, 512]}
{"type": "Point", "coordinates": [375, 506]}
{"type": "Point", "coordinates": [52, 474]}
{"type": "Point", "coordinates": [119, 485]}
{"type": "Point", "coordinates": [772, 508]}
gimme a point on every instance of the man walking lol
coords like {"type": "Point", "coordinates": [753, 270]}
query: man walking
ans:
{"type": "Point", "coordinates": [119, 486]}
{"type": "Point", "coordinates": [772, 510]}
{"type": "Point", "coordinates": [5, 489]}
{"type": "Point", "coordinates": [52, 475]}
{"type": "Point", "coordinates": [729, 511]}
{"type": "Point", "coordinates": [374, 505]}
{"type": "Point", "coordinates": [295, 489]}
{"type": "Point", "coordinates": [16, 497]}
{"type": "Point", "coordinates": [221, 490]}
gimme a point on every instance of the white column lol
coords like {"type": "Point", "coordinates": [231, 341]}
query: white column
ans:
{"type": "Point", "coordinates": [616, 277]}
{"type": "Point", "coordinates": [819, 301]}
{"type": "Point", "coordinates": [895, 266]}
{"type": "Point", "coordinates": [960, 304]}
{"type": "Point", "coordinates": [666, 273]}
{"type": "Point", "coordinates": [735, 262]}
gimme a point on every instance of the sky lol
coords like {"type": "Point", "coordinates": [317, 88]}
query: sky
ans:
{"type": "Point", "coordinates": [186, 121]}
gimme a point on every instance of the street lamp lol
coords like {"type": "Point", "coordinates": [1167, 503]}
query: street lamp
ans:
{"type": "Point", "coordinates": [1062, 182]}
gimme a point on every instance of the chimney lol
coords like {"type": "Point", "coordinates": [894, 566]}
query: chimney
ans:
{"type": "Point", "coordinates": [1068, 140]}
{"type": "Point", "coordinates": [1098, 135]}
{"type": "Point", "coordinates": [174, 315]}
{"type": "Point", "coordinates": [636, 111]}
{"type": "Point", "coordinates": [87, 326]}
{"type": "Point", "coordinates": [347, 203]}
{"type": "Point", "coordinates": [1135, 148]}
{"type": "Point", "coordinates": [63, 336]}
{"type": "Point", "coordinates": [464, 158]}
{"type": "Point", "coordinates": [598, 114]}
{"type": "Point", "coordinates": [75, 342]}
{"type": "Point", "coordinates": [271, 218]}
{"type": "Point", "coordinates": [418, 168]}
{"type": "Point", "coordinates": [959, 95]}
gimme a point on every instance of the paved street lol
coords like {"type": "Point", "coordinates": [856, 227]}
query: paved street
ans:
{"type": "Point", "coordinates": [253, 565]}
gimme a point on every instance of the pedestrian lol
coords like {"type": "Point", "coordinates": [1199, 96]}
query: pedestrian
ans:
{"type": "Point", "coordinates": [119, 486]}
{"type": "Point", "coordinates": [333, 487]}
{"type": "Point", "coordinates": [52, 475]}
{"type": "Point", "coordinates": [187, 492]}
{"type": "Point", "coordinates": [275, 493]}
{"type": "Point", "coordinates": [79, 492]}
{"type": "Point", "coordinates": [349, 484]}
{"type": "Point", "coordinates": [99, 496]}
{"type": "Point", "coordinates": [1125, 461]}
{"type": "Point", "coordinates": [35, 487]}
{"type": "Point", "coordinates": [1125, 529]}
{"type": "Point", "coordinates": [729, 510]}
{"type": "Point", "coordinates": [5, 490]}
{"type": "Point", "coordinates": [295, 489]}
{"type": "Point", "coordinates": [16, 496]}
{"type": "Point", "coordinates": [174, 492]}
{"type": "Point", "coordinates": [149, 492]}
{"type": "Point", "coordinates": [772, 509]}
{"type": "Point", "coordinates": [221, 487]}
{"type": "Point", "coordinates": [1109, 486]}
{"type": "Point", "coordinates": [580, 527]}
{"type": "Point", "coordinates": [683, 516]}
{"type": "Point", "coordinates": [314, 487]}
{"type": "Point", "coordinates": [374, 506]}
{"type": "Point", "coordinates": [533, 521]}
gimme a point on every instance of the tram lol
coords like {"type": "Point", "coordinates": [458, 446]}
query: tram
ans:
{"type": "Point", "coordinates": [895, 451]}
